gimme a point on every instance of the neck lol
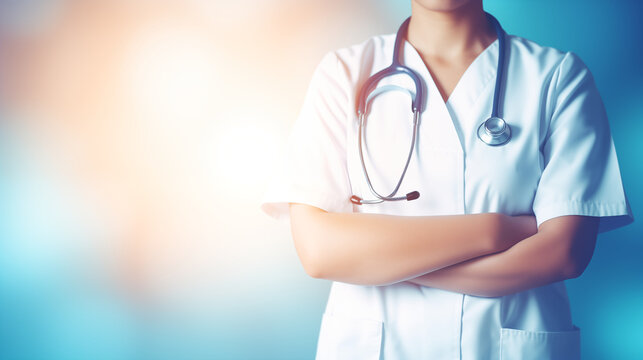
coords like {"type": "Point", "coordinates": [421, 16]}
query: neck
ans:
{"type": "Point", "coordinates": [450, 34]}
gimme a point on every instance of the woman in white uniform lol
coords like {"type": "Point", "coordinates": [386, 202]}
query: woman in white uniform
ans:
{"type": "Point", "coordinates": [473, 267]}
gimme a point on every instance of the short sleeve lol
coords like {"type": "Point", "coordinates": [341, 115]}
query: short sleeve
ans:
{"type": "Point", "coordinates": [314, 170]}
{"type": "Point", "coordinates": [580, 169]}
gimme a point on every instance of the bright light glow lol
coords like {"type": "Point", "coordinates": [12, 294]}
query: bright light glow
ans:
{"type": "Point", "coordinates": [246, 153]}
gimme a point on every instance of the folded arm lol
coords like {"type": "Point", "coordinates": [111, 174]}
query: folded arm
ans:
{"type": "Point", "coordinates": [560, 250]}
{"type": "Point", "coordinates": [373, 249]}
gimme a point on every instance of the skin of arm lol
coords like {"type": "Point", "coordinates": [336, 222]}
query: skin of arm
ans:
{"type": "Point", "coordinates": [560, 250]}
{"type": "Point", "coordinates": [374, 249]}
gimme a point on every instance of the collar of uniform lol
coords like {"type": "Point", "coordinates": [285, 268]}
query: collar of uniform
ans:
{"type": "Point", "coordinates": [470, 85]}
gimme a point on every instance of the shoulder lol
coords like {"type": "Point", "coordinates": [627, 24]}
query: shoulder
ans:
{"type": "Point", "coordinates": [358, 60]}
{"type": "Point", "coordinates": [366, 50]}
{"type": "Point", "coordinates": [533, 57]}
{"type": "Point", "coordinates": [342, 71]}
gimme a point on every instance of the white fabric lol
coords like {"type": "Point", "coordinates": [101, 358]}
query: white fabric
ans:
{"type": "Point", "coordinates": [559, 161]}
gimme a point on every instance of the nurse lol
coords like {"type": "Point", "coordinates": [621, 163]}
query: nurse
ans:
{"type": "Point", "coordinates": [474, 268]}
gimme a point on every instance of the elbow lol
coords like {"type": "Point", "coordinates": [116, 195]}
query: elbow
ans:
{"type": "Point", "coordinates": [313, 272]}
{"type": "Point", "coordinates": [321, 262]}
{"type": "Point", "coordinates": [574, 238]}
{"type": "Point", "coordinates": [313, 266]}
{"type": "Point", "coordinates": [311, 258]}
{"type": "Point", "coordinates": [573, 268]}
{"type": "Point", "coordinates": [315, 255]}
{"type": "Point", "coordinates": [309, 244]}
{"type": "Point", "coordinates": [576, 261]}
{"type": "Point", "coordinates": [571, 271]}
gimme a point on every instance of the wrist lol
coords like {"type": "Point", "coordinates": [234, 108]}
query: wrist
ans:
{"type": "Point", "coordinates": [496, 225]}
{"type": "Point", "coordinates": [506, 231]}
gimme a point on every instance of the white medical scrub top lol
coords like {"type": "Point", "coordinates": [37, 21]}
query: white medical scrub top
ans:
{"type": "Point", "coordinates": [559, 161]}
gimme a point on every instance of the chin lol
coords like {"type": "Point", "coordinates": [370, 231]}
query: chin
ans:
{"type": "Point", "coordinates": [443, 5]}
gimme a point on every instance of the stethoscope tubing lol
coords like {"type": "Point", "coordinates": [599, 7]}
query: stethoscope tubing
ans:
{"type": "Point", "coordinates": [390, 197]}
{"type": "Point", "coordinates": [485, 133]}
{"type": "Point", "coordinates": [395, 68]}
{"type": "Point", "coordinates": [500, 33]}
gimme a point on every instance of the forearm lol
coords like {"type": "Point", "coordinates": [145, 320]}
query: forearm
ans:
{"type": "Point", "coordinates": [374, 249]}
{"type": "Point", "coordinates": [541, 259]}
{"type": "Point", "coordinates": [499, 274]}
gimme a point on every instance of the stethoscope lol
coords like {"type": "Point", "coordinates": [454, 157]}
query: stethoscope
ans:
{"type": "Point", "coordinates": [494, 131]}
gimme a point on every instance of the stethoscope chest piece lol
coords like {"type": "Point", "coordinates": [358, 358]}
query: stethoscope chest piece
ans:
{"type": "Point", "coordinates": [494, 131]}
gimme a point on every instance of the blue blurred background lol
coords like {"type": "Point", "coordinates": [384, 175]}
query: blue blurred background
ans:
{"type": "Point", "coordinates": [135, 142]}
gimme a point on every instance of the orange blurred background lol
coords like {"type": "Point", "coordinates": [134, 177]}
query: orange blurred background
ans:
{"type": "Point", "coordinates": [138, 137]}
